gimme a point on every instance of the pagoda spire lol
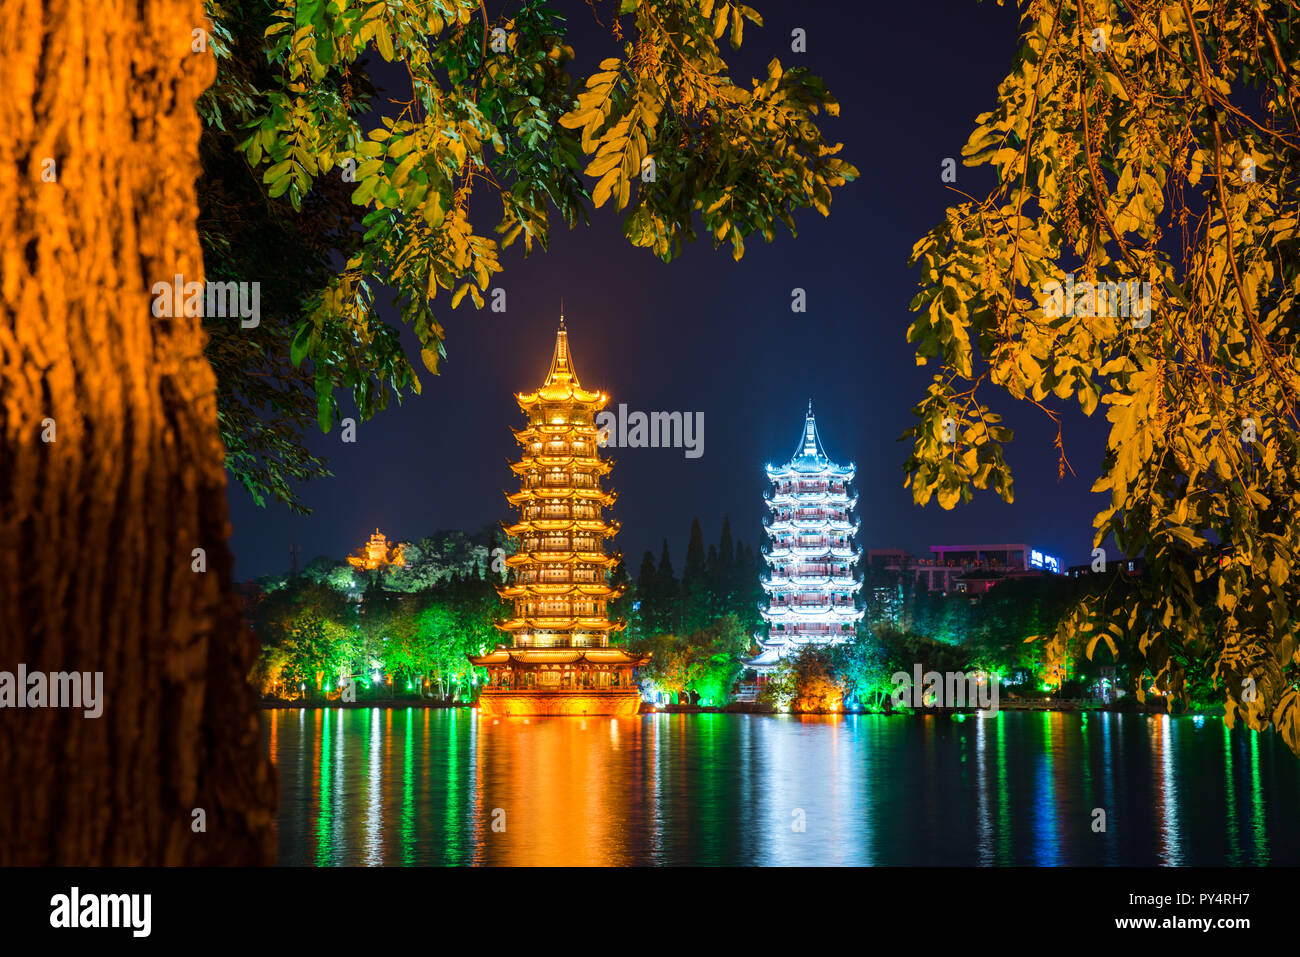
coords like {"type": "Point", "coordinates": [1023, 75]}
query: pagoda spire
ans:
{"type": "Point", "coordinates": [810, 443]}
{"type": "Point", "coordinates": [562, 371]}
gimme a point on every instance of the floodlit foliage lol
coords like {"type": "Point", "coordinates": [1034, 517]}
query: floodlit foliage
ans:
{"type": "Point", "coordinates": [819, 686]}
{"type": "Point", "coordinates": [264, 402]}
{"type": "Point", "coordinates": [662, 133]}
{"type": "Point", "coordinates": [1150, 143]}
{"type": "Point", "coordinates": [703, 664]}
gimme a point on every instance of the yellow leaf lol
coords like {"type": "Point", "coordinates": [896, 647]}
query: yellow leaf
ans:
{"type": "Point", "coordinates": [602, 190]}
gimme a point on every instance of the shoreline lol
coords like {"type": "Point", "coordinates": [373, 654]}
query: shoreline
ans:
{"type": "Point", "coordinates": [369, 703]}
{"type": "Point", "coordinates": [741, 708]}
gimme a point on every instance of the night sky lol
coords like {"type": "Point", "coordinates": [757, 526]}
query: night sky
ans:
{"type": "Point", "coordinates": [705, 333]}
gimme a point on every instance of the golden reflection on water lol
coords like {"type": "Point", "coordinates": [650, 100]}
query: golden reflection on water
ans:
{"type": "Point", "coordinates": [557, 790]}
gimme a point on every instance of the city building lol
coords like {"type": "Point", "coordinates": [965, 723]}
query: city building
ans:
{"type": "Point", "coordinates": [560, 660]}
{"type": "Point", "coordinates": [966, 569]}
{"type": "Point", "coordinates": [1128, 567]}
{"type": "Point", "coordinates": [932, 574]}
{"type": "Point", "coordinates": [811, 555]}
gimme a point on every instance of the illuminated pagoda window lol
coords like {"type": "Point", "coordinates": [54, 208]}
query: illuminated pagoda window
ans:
{"type": "Point", "coordinates": [811, 555]}
{"type": "Point", "coordinates": [377, 553]}
{"type": "Point", "coordinates": [560, 660]}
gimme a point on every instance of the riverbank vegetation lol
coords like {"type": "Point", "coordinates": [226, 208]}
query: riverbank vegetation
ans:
{"type": "Point", "coordinates": [405, 632]}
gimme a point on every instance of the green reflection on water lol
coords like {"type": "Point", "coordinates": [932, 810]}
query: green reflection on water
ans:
{"type": "Point", "coordinates": [325, 819]}
{"type": "Point", "coordinates": [1004, 795]}
{"type": "Point", "coordinates": [1015, 788]}
{"type": "Point", "coordinates": [1230, 790]}
{"type": "Point", "coordinates": [1258, 824]}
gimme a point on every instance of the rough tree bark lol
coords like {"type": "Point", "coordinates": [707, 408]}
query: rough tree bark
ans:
{"type": "Point", "coordinates": [98, 526]}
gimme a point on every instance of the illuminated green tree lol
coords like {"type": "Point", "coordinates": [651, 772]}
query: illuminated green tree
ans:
{"type": "Point", "coordinates": [781, 686]}
{"type": "Point", "coordinates": [268, 674]}
{"type": "Point", "coordinates": [313, 653]}
{"type": "Point", "coordinates": [1153, 144]}
{"type": "Point", "coordinates": [865, 668]}
{"type": "Point", "coordinates": [714, 656]}
{"type": "Point", "coordinates": [698, 668]}
{"type": "Point", "coordinates": [444, 642]}
{"type": "Point", "coordinates": [278, 613]}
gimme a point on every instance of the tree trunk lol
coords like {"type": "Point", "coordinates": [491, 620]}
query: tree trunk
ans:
{"type": "Point", "coordinates": [97, 527]}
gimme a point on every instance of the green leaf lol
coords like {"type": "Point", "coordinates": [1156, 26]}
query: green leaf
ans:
{"type": "Point", "coordinates": [300, 347]}
{"type": "Point", "coordinates": [324, 406]}
{"type": "Point", "coordinates": [279, 186]}
{"type": "Point", "coordinates": [362, 195]}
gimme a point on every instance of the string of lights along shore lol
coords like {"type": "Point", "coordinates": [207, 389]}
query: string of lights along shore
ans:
{"type": "Point", "coordinates": [560, 660]}
{"type": "Point", "coordinates": [811, 553]}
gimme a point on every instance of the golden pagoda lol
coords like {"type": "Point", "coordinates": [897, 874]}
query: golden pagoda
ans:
{"type": "Point", "coordinates": [560, 660]}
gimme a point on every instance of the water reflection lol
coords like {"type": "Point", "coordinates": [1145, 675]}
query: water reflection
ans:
{"type": "Point", "coordinates": [1170, 836]}
{"type": "Point", "coordinates": [1258, 824]}
{"type": "Point", "coordinates": [416, 786]}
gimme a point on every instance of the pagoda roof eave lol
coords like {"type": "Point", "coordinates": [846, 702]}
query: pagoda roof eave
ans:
{"type": "Point", "coordinates": [579, 464]}
{"type": "Point", "coordinates": [557, 395]}
{"type": "Point", "coordinates": [532, 431]}
{"type": "Point", "coordinates": [556, 656]}
{"type": "Point", "coordinates": [558, 624]}
{"type": "Point", "coordinates": [560, 558]}
{"type": "Point", "coordinates": [768, 656]}
{"type": "Point", "coordinates": [607, 528]}
{"type": "Point", "coordinates": [533, 494]}
{"type": "Point", "coordinates": [826, 470]}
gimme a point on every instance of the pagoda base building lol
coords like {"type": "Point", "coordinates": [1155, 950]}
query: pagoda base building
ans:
{"type": "Point", "coordinates": [560, 661]}
{"type": "Point", "coordinates": [532, 681]}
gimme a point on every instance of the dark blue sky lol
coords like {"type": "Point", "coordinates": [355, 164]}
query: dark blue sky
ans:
{"type": "Point", "coordinates": [706, 334]}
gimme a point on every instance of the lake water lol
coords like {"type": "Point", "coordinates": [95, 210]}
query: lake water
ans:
{"type": "Point", "coordinates": [425, 786]}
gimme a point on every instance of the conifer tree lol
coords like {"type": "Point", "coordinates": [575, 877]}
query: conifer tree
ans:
{"type": "Point", "coordinates": [668, 612]}
{"type": "Point", "coordinates": [695, 580]}
{"type": "Point", "coordinates": [646, 619]}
